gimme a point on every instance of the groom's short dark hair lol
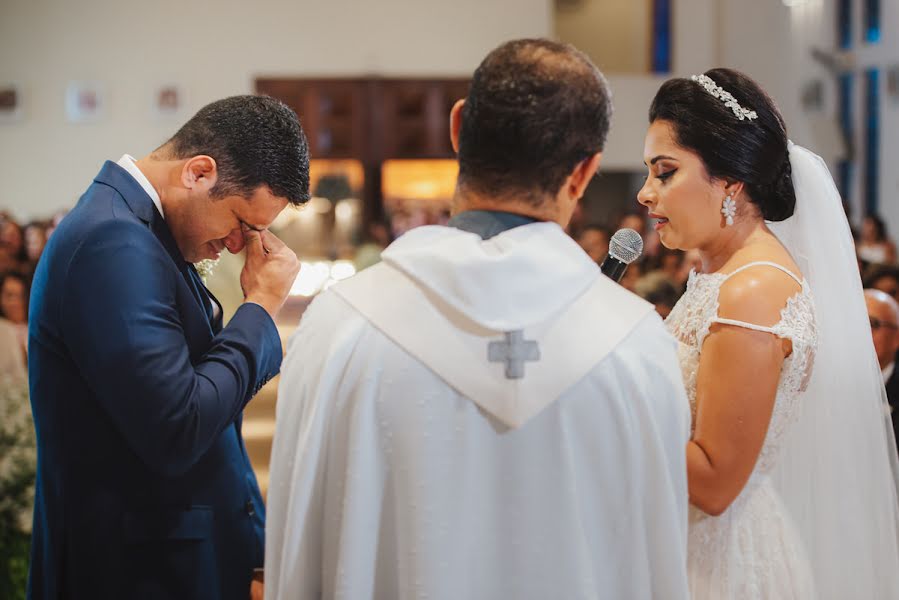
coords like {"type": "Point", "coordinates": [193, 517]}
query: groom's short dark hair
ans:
{"type": "Point", "coordinates": [255, 141]}
{"type": "Point", "coordinates": [536, 108]}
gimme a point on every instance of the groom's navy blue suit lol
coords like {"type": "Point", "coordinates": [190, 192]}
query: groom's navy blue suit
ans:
{"type": "Point", "coordinates": [144, 488]}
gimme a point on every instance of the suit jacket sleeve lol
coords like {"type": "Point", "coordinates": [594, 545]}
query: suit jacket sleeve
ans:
{"type": "Point", "coordinates": [123, 328]}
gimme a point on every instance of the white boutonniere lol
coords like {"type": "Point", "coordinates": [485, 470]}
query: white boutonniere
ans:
{"type": "Point", "coordinates": [205, 268]}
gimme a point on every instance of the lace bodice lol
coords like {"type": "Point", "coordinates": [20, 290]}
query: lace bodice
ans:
{"type": "Point", "coordinates": [697, 310]}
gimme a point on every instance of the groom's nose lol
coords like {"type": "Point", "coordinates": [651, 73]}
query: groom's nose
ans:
{"type": "Point", "coordinates": [234, 241]}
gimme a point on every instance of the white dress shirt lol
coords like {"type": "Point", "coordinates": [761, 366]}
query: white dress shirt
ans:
{"type": "Point", "coordinates": [128, 163]}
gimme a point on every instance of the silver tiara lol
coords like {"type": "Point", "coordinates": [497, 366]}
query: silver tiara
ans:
{"type": "Point", "coordinates": [725, 96]}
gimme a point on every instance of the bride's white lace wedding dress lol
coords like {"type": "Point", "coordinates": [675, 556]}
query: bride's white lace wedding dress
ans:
{"type": "Point", "coordinates": [753, 549]}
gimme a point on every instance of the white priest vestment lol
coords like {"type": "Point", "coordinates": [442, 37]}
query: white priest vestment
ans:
{"type": "Point", "coordinates": [477, 419]}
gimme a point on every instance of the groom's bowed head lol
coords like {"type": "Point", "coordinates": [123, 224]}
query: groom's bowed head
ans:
{"type": "Point", "coordinates": [222, 180]}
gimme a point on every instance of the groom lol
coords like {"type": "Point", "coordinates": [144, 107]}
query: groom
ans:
{"type": "Point", "coordinates": [484, 415]}
{"type": "Point", "coordinates": [144, 488]}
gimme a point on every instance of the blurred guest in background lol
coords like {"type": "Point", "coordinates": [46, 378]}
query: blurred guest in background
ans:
{"type": "Point", "coordinates": [12, 358]}
{"type": "Point", "coordinates": [883, 311]}
{"type": "Point", "coordinates": [658, 289]}
{"type": "Point", "coordinates": [55, 221]}
{"type": "Point", "coordinates": [884, 278]}
{"type": "Point", "coordinates": [669, 262]}
{"type": "Point", "coordinates": [12, 245]}
{"type": "Point", "coordinates": [633, 220]}
{"type": "Point", "coordinates": [875, 245]}
{"type": "Point", "coordinates": [594, 239]}
{"type": "Point", "coordinates": [13, 317]}
{"type": "Point", "coordinates": [35, 239]}
{"type": "Point", "coordinates": [632, 275]}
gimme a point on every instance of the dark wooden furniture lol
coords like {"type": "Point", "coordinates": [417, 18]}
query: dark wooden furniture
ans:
{"type": "Point", "coordinates": [371, 120]}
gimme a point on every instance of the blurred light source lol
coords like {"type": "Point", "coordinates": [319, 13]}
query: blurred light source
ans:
{"type": "Point", "coordinates": [305, 213]}
{"type": "Point", "coordinates": [419, 179]}
{"type": "Point", "coordinates": [317, 276]}
{"type": "Point", "coordinates": [351, 169]}
{"type": "Point", "coordinates": [319, 205]}
{"type": "Point", "coordinates": [312, 278]}
{"type": "Point", "coordinates": [345, 210]}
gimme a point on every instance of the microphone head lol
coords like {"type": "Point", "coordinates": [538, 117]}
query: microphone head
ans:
{"type": "Point", "coordinates": [626, 245]}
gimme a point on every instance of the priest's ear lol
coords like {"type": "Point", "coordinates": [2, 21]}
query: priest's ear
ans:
{"type": "Point", "coordinates": [580, 177]}
{"type": "Point", "coordinates": [456, 123]}
{"type": "Point", "coordinates": [573, 187]}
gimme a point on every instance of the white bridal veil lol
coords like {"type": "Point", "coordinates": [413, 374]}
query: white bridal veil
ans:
{"type": "Point", "coordinates": [837, 470]}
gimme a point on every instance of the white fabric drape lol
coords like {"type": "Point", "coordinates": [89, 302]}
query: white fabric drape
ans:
{"type": "Point", "coordinates": [837, 470]}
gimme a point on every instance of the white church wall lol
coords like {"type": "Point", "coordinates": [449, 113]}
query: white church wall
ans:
{"type": "Point", "coordinates": [211, 49]}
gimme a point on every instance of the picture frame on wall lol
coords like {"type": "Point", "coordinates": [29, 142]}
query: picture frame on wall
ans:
{"type": "Point", "coordinates": [168, 101]}
{"type": "Point", "coordinates": [85, 102]}
{"type": "Point", "coordinates": [11, 110]}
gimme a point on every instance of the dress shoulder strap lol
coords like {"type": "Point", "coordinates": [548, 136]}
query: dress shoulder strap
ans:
{"type": "Point", "coordinates": [765, 263]}
{"type": "Point", "coordinates": [744, 324]}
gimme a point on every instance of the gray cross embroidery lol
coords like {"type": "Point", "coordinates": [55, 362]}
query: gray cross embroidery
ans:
{"type": "Point", "coordinates": [513, 351]}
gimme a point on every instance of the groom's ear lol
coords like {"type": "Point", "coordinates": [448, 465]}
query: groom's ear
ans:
{"type": "Point", "coordinates": [199, 173]}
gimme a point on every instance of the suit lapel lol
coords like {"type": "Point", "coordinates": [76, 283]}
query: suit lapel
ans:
{"type": "Point", "coordinates": [191, 277]}
{"type": "Point", "coordinates": [142, 206]}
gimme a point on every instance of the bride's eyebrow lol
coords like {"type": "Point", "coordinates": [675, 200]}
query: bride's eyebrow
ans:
{"type": "Point", "coordinates": [660, 157]}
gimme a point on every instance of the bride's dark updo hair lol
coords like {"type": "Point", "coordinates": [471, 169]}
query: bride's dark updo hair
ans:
{"type": "Point", "coordinates": [752, 151]}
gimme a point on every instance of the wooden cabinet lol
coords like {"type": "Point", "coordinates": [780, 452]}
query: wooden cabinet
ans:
{"type": "Point", "coordinates": [333, 112]}
{"type": "Point", "coordinates": [371, 120]}
{"type": "Point", "coordinates": [412, 118]}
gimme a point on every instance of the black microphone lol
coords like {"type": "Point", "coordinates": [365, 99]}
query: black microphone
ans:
{"type": "Point", "coordinates": [625, 247]}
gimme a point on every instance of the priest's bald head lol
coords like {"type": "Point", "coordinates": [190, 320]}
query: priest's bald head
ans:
{"type": "Point", "coordinates": [530, 134]}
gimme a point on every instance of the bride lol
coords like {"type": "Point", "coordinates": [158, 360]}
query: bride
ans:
{"type": "Point", "coordinates": [790, 467]}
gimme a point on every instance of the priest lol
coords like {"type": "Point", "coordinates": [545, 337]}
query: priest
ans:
{"type": "Point", "coordinates": [484, 414]}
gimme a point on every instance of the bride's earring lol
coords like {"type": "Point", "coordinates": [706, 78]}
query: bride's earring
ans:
{"type": "Point", "coordinates": [729, 210]}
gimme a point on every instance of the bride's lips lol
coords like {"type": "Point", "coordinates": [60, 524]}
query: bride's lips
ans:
{"type": "Point", "coordinates": [660, 221]}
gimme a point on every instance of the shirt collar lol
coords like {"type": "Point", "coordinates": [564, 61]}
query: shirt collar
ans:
{"type": "Point", "coordinates": [488, 223]}
{"type": "Point", "coordinates": [888, 371]}
{"type": "Point", "coordinates": [128, 163]}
